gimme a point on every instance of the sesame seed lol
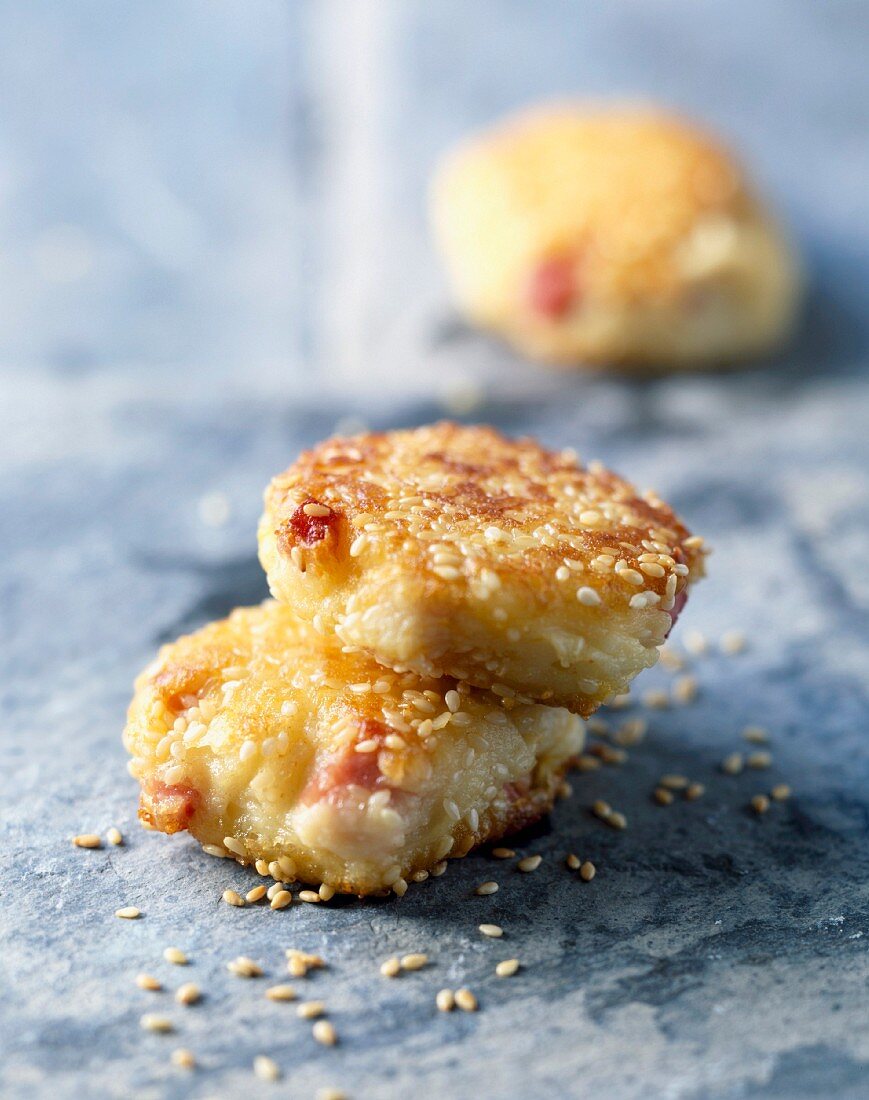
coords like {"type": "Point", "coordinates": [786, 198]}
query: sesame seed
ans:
{"type": "Point", "coordinates": [616, 820]}
{"type": "Point", "coordinates": [507, 968]}
{"type": "Point", "coordinates": [399, 887]}
{"type": "Point", "coordinates": [188, 994]}
{"type": "Point", "coordinates": [439, 869]}
{"type": "Point", "coordinates": [243, 967]}
{"type": "Point", "coordinates": [326, 891]}
{"type": "Point", "coordinates": [529, 863]}
{"type": "Point", "coordinates": [175, 955]}
{"type": "Point", "coordinates": [88, 840]}
{"type": "Point", "coordinates": [310, 896]}
{"type": "Point", "coordinates": [493, 930]}
{"type": "Point", "coordinates": [601, 808]}
{"type": "Point", "coordinates": [663, 797]}
{"type": "Point", "coordinates": [214, 850]}
{"type": "Point", "coordinates": [733, 642]}
{"type": "Point", "coordinates": [656, 699]}
{"type": "Point", "coordinates": [146, 981]}
{"type": "Point", "coordinates": [585, 762]}
{"type": "Point", "coordinates": [685, 689]}
{"type": "Point", "coordinates": [760, 803]}
{"type": "Point", "coordinates": [280, 993]}
{"type": "Point", "coordinates": [314, 509]}
{"type": "Point", "coordinates": [266, 1068]}
{"type": "Point", "coordinates": [256, 894]}
{"type": "Point", "coordinates": [274, 890]}
{"type": "Point", "coordinates": [696, 643]}
{"type": "Point", "coordinates": [234, 846]}
{"type": "Point", "coordinates": [325, 1033]}
{"type": "Point", "coordinates": [183, 1058]}
{"type": "Point", "coordinates": [152, 1022]}
{"type": "Point", "coordinates": [466, 1000]}
{"type": "Point", "coordinates": [781, 792]}
{"type": "Point", "coordinates": [330, 1094]}
{"type": "Point", "coordinates": [587, 871]}
{"type": "Point", "coordinates": [694, 791]}
{"type": "Point", "coordinates": [129, 912]}
{"type": "Point", "coordinates": [756, 735]}
{"type": "Point", "coordinates": [733, 764]}
{"type": "Point", "coordinates": [233, 898]}
{"type": "Point", "coordinates": [415, 961]}
{"type": "Point", "coordinates": [673, 782]}
{"type": "Point", "coordinates": [588, 597]}
{"type": "Point", "coordinates": [114, 836]}
{"type": "Point", "coordinates": [487, 888]}
{"type": "Point", "coordinates": [310, 1010]}
{"type": "Point", "coordinates": [445, 1000]}
{"type": "Point", "coordinates": [631, 732]}
{"type": "Point", "coordinates": [759, 760]}
{"type": "Point", "coordinates": [282, 899]}
{"type": "Point", "coordinates": [391, 967]}
{"type": "Point", "coordinates": [631, 576]}
{"type": "Point", "coordinates": [572, 861]}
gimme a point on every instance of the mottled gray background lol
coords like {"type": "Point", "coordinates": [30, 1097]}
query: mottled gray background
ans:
{"type": "Point", "coordinates": [212, 250]}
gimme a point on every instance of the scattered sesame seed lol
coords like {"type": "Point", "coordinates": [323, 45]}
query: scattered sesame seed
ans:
{"type": "Point", "coordinates": [88, 840]}
{"type": "Point", "coordinates": [601, 809]}
{"type": "Point", "coordinates": [733, 764]}
{"type": "Point", "coordinates": [188, 994]}
{"type": "Point", "coordinates": [696, 643]}
{"type": "Point", "coordinates": [673, 782]}
{"type": "Point", "coordinates": [146, 981]}
{"type": "Point", "coordinates": [694, 791]}
{"type": "Point", "coordinates": [273, 891]}
{"type": "Point", "coordinates": [759, 760]}
{"type": "Point", "coordinates": [310, 896]}
{"type": "Point", "coordinates": [493, 930]}
{"type": "Point", "coordinates": [129, 912]}
{"type": "Point", "coordinates": [280, 993]}
{"type": "Point", "coordinates": [325, 1033]}
{"type": "Point", "coordinates": [310, 1010]}
{"type": "Point", "coordinates": [256, 894]}
{"type": "Point", "coordinates": [214, 850]}
{"type": "Point", "coordinates": [503, 853]}
{"type": "Point", "coordinates": [114, 836]}
{"type": "Point", "coordinates": [572, 861]}
{"type": "Point", "coordinates": [657, 699]}
{"type": "Point", "coordinates": [663, 797]}
{"type": "Point", "coordinates": [507, 968]}
{"type": "Point", "coordinates": [152, 1022]}
{"type": "Point", "coordinates": [487, 888]}
{"type": "Point", "coordinates": [756, 735]}
{"type": "Point", "coordinates": [780, 792]}
{"type": "Point", "coordinates": [234, 846]}
{"type": "Point", "coordinates": [175, 955]}
{"type": "Point", "coordinates": [616, 820]}
{"type": "Point", "coordinates": [183, 1058]}
{"type": "Point", "coordinates": [529, 863]}
{"type": "Point", "coordinates": [445, 1000]}
{"type": "Point", "coordinates": [760, 803]}
{"type": "Point", "coordinates": [330, 1094]}
{"type": "Point", "coordinates": [587, 871]}
{"type": "Point", "coordinates": [300, 962]}
{"type": "Point", "coordinates": [399, 887]}
{"type": "Point", "coordinates": [282, 899]}
{"type": "Point", "coordinates": [619, 702]}
{"type": "Point", "coordinates": [585, 762]}
{"type": "Point", "coordinates": [685, 689]}
{"type": "Point", "coordinates": [391, 967]}
{"type": "Point", "coordinates": [266, 1068]}
{"type": "Point", "coordinates": [631, 732]}
{"type": "Point", "coordinates": [326, 891]}
{"type": "Point", "coordinates": [466, 1000]}
{"type": "Point", "coordinates": [439, 869]}
{"type": "Point", "coordinates": [733, 642]}
{"type": "Point", "coordinates": [415, 961]}
{"type": "Point", "coordinates": [233, 898]}
{"type": "Point", "coordinates": [243, 967]}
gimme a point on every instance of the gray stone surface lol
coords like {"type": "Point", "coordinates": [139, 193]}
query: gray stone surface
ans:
{"type": "Point", "coordinates": [213, 251]}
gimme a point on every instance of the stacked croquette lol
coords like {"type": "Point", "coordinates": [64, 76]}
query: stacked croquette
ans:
{"type": "Point", "coordinates": [448, 603]}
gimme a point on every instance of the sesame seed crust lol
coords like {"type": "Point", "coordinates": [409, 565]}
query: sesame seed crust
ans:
{"type": "Point", "coordinates": [248, 734]}
{"type": "Point", "coordinates": [456, 551]}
